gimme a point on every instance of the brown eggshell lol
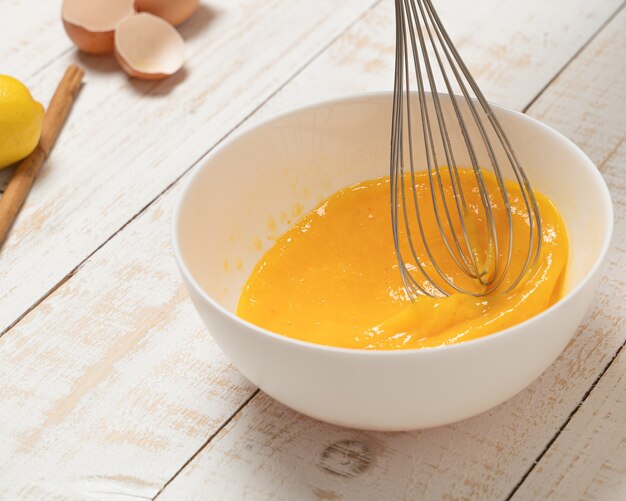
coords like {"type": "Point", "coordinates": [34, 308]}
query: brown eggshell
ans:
{"type": "Point", "coordinates": [87, 41]}
{"type": "Point", "coordinates": [90, 23]}
{"type": "Point", "coordinates": [148, 47]}
{"type": "Point", "coordinates": [173, 11]}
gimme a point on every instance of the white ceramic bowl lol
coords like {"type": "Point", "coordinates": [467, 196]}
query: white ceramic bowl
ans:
{"type": "Point", "coordinates": [246, 192]}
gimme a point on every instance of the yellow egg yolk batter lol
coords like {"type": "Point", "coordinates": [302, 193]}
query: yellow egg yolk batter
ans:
{"type": "Point", "coordinates": [333, 278]}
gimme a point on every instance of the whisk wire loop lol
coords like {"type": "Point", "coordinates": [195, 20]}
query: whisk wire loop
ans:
{"type": "Point", "coordinates": [425, 52]}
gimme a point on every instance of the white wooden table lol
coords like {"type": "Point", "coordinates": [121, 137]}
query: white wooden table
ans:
{"type": "Point", "coordinates": [111, 388]}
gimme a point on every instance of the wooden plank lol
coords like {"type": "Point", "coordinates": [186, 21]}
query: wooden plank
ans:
{"type": "Point", "coordinates": [113, 383]}
{"type": "Point", "coordinates": [31, 36]}
{"type": "Point", "coordinates": [127, 140]}
{"type": "Point", "coordinates": [134, 367]}
{"type": "Point", "coordinates": [68, 214]}
{"type": "Point", "coordinates": [588, 460]}
{"type": "Point", "coordinates": [270, 452]}
{"type": "Point", "coordinates": [27, 47]}
{"type": "Point", "coordinates": [83, 379]}
{"type": "Point", "coordinates": [512, 60]}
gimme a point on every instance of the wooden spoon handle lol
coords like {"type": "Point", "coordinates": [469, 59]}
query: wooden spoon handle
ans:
{"type": "Point", "coordinates": [27, 170]}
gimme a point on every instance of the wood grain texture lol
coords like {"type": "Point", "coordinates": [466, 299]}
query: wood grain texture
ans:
{"type": "Point", "coordinates": [31, 36]}
{"type": "Point", "coordinates": [228, 75]}
{"type": "Point", "coordinates": [26, 171]}
{"type": "Point", "coordinates": [111, 384]}
{"type": "Point", "coordinates": [27, 47]}
{"type": "Point", "coordinates": [270, 452]}
{"type": "Point", "coordinates": [512, 61]}
{"type": "Point", "coordinates": [102, 404]}
{"type": "Point", "coordinates": [588, 460]}
{"type": "Point", "coordinates": [136, 137]}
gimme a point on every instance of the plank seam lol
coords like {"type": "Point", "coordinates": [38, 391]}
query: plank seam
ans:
{"type": "Point", "coordinates": [584, 46]}
{"type": "Point", "coordinates": [234, 128]}
{"type": "Point", "coordinates": [70, 274]}
{"type": "Point", "coordinates": [50, 291]}
{"type": "Point", "coordinates": [194, 163]}
{"type": "Point", "coordinates": [208, 441]}
{"type": "Point", "coordinates": [50, 63]}
{"type": "Point", "coordinates": [608, 365]}
{"type": "Point", "coordinates": [564, 425]}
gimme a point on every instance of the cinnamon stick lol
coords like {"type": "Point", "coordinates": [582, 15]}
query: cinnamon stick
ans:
{"type": "Point", "coordinates": [27, 170]}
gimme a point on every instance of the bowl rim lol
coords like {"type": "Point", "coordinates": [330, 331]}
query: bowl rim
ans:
{"type": "Point", "coordinates": [464, 345]}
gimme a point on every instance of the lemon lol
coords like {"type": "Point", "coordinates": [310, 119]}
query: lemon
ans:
{"type": "Point", "coordinates": [20, 121]}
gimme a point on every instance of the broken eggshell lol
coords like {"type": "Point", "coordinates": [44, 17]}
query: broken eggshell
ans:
{"type": "Point", "coordinates": [148, 47]}
{"type": "Point", "coordinates": [90, 24]}
{"type": "Point", "coordinates": [173, 11]}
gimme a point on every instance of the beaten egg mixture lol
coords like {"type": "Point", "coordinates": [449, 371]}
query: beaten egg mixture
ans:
{"type": "Point", "coordinates": [333, 278]}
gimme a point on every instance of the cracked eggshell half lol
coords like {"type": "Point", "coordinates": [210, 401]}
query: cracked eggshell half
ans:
{"type": "Point", "coordinates": [173, 11]}
{"type": "Point", "coordinates": [148, 47]}
{"type": "Point", "coordinates": [90, 24]}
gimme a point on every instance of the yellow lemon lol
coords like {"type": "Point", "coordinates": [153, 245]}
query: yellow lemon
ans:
{"type": "Point", "coordinates": [20, 121]}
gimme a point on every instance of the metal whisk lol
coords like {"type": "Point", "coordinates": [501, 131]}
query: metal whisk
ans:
{"type": "Point", "coordinates": [425, 53]}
